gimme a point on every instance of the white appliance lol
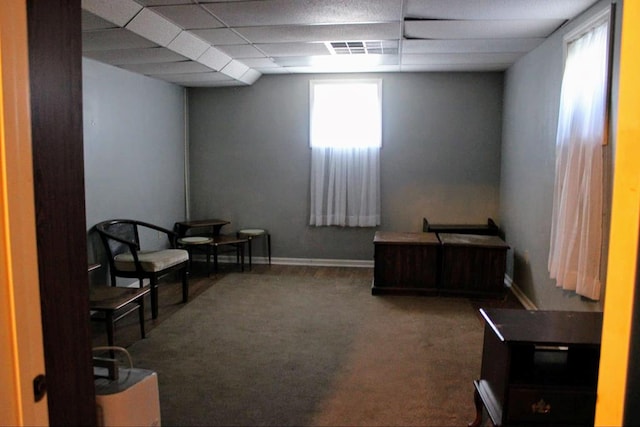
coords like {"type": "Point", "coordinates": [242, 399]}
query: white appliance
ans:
{"type": "Point", "coordinates": [131, 399]}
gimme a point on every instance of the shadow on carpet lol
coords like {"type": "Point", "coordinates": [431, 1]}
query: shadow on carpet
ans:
{"type": "Point", "coordinates": [259, 350]}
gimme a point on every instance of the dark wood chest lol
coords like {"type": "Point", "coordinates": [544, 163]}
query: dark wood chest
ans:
{"type": "Point", "coordinates": [405, 262]}
{"type": "Point", "coordinates": [473, 264]}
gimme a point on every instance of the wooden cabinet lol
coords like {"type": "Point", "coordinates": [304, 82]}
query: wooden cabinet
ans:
{"type": "Point", "coordinates": [539, 367]}
{"type": "Point", "coordinates": [473, 264]}
{"type": "Point", "coordinates": [405, 263]}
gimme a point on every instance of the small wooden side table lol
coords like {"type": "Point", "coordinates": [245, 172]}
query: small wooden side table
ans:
{"type": "Point", "coordinates": [213, 225]}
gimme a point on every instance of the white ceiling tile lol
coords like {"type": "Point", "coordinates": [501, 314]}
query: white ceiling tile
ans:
{"type": "Point", "coordinates": [321, 33]}
{"type": "Point", "coordinates": [154, 27]}
{"type": "Point", "coordinates": [460, 58]}
{"type": "Point", "coordinates": [235, 69]}
{"type": "Point", "coordinates": [117, 38]}
{"type": "Point", "coordinates": [135, 56]}
{"type": "Point", "coordinates": [94, 22]}
{"type": "Point", "coordinates": [168, 68]}
{"type": "Point", "coordinates": [117, 11]}
{"type": "Point", "coordinates": [294, 61]}
{"type": "Point", "coordinates": [454, 67]}
{"type": "Point", "coordinates": [259, 62]}
{"type": "Point", "coordinates": [287, 12]}
{"type": "Point", "coordinates": [250, 77]}
{"type": "Point", "coordinates": [496, 9]}
{"type": "Point", "coordinates": [242, 51]}
{"type": "Point", "coordinates": [337, 61]}
{"type": "Point", "coordinates": [219, 36]}
{"type": "Point", "coordinates": [214, 58]}
{"type": "Point", "coordinates": [274, 70]}
{"type": "Point", "coordinates": [294, 49]}
{"type": "Point", "coordinates": [221, 83]}
{"type": "Point", "coordinates": [188, 16]}
{"type": "Point", "coordinates": [193, 77]}
{"type": "Point", "coordinates": [362, 69]}
{"type": "Point", "coordinates": [469, 45]}
{"type": "Point", "coordinates": [188, 45]}
{"type": "Point", "coordinates": [438, 35]}
{"type": "Point", "coordinates": [480, 29]}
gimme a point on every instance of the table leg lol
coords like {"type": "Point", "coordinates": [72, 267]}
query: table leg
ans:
{"type": "Point", "coordinates": [215, 258]}
{"type": "Point", "coordinates": [269, 247]}
{"type": "Point", "coordinates": [141, 315]}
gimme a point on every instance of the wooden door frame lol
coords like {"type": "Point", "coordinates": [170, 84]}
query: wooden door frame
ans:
{"type": "Point", "coordinates": [55, 77]}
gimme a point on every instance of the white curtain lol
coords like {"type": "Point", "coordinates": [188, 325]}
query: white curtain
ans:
{"type": "Point", "coordinates": [576, 229]}
{"type": "Point", "coordinates": [345, 186]}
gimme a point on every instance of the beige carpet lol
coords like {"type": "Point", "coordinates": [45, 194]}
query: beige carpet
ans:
{"type": "Point", "coordinates": [280, 350]}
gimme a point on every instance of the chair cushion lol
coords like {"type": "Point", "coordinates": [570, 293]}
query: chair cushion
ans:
{"type": "Point", "coordinates": [152, 261]}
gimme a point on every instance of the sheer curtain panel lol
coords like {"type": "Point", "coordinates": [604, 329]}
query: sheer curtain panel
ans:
{"type": "Point", "coordinates": [576, 228]}
{"type": "Point", "coordinates": [345, 186]}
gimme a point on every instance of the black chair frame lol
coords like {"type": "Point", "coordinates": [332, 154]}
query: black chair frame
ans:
{"type": "Point", "coordinates": [115, 245]}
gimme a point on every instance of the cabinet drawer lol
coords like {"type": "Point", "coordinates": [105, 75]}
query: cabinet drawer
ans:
{"type": "Point", "coordinates": [550, 405]}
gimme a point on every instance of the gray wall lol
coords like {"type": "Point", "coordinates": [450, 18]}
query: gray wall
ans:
{"type": "Point", "coordinates": [133, 149]}
{"type": "Point", "coordinates": [531, 103]}
{"type": "Point", "coordinates": [250, 159]}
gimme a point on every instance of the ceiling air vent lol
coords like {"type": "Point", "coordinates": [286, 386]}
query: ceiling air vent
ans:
{"type": "Point", "coordinates": [363, 47]}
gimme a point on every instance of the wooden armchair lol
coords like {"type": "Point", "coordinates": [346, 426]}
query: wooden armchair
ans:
{"type": "Point", "coordinates": [121, 239]}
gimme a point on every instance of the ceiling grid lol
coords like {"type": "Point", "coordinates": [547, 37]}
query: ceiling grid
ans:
{"type": "Point", "coordinates": [233, 42]}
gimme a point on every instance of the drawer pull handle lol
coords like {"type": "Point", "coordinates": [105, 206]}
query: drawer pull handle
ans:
{"type": "Point", "coordinates": [541, 407]}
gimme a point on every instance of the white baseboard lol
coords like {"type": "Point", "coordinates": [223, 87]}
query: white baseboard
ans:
{"type": "Point", "coordinates": [312, 262]}
{"type": "Point", "coordinates": [517, 292]}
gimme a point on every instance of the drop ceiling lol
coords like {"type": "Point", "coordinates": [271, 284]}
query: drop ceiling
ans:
{"type": "Point", "coordinates": [234, 42]}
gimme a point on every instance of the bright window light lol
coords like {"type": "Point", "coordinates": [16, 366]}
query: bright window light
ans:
{"type": "Point", "coordinates": [346, 113]}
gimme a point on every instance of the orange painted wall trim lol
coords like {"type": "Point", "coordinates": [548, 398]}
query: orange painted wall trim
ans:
{"type": "Point", "coordinates": [625, 219]}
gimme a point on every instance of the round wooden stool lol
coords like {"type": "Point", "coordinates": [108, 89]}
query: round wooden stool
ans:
{"type": "Point", "coordinates": [253, 233]}
{"type": "Point", "coordinates": [194, 242]}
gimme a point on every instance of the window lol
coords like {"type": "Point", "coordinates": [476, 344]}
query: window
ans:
{"type": "Point", "coordinates": [345, 138]}
{"type": "Point", "coordinates": [577, 221]}
{"type": "Point", "coordinates": [346, 114]}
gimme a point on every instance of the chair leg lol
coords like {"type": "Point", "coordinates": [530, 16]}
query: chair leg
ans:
{"type": "Point", "coordinates": [154, 298]}
{"type": "Point", "coordinates": [241, 250]}
{"type": "Point", "coordinates": [249, 245]}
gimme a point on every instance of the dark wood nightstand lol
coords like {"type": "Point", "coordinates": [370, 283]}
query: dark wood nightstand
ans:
{"type": "Point", "coordinates": [539, 367]}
